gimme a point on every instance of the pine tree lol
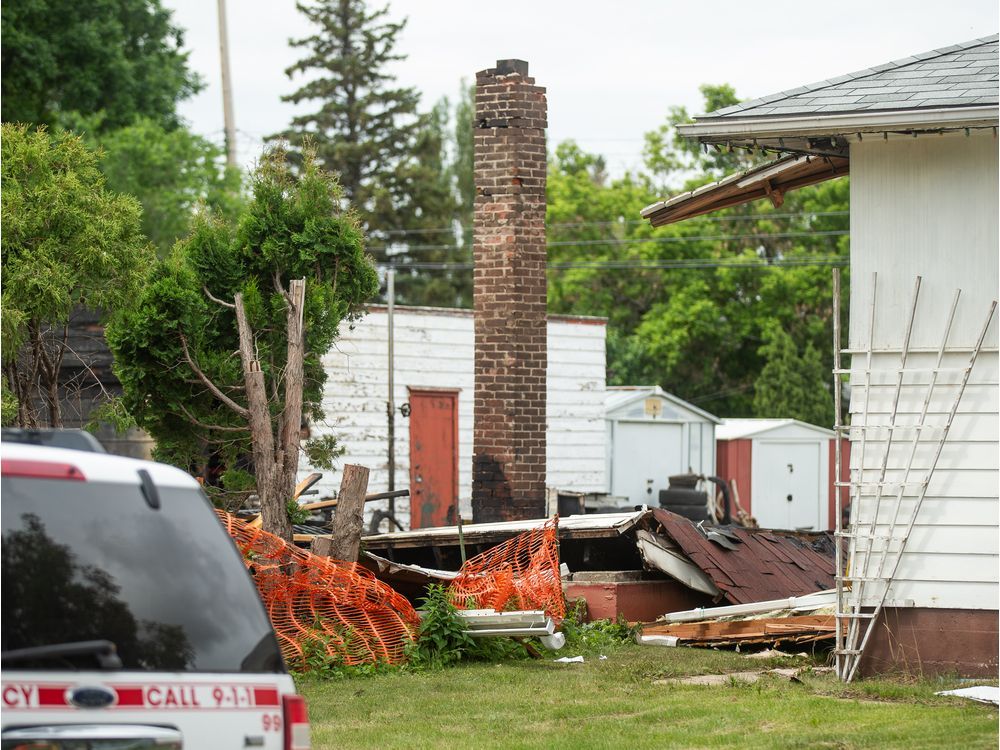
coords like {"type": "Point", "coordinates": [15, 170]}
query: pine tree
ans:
{"type": "Point", "coordinates": [791, 386]}
{"type": "Point", "coordinates": [389, 157]}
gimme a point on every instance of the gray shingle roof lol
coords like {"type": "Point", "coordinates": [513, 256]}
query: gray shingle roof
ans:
{"type": "Point", "coordinates": [960, 75]}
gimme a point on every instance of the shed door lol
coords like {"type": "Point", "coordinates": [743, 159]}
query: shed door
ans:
{"type": "Point", "coordinates": [644, 455]}
{"type": "Point", "coordinates": [433, 458]}
{"type": "Point", "coordinates": [786, 480]}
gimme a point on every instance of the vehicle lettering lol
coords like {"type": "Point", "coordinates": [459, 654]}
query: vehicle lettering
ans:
{"type": "Point", "coordinates": [272, 722]}
{"type": "Point", "coordinates": [168, 696]}
{"type": "Point", "coordinates": [172, 697]}
{"type": "Point", "coordinates": [20, 696]}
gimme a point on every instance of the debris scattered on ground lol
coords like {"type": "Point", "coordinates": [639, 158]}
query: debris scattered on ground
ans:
{"type": "Point", "coordinates": [720, 680]}
{"type": "Point", "coordinates": [658, 640]}
{"type": "Point", "coordinates": [981, 693]}
{"type": "Point", "coordinates": [569, 660]}
{"type": "Point", "coordinates": [773, 653]}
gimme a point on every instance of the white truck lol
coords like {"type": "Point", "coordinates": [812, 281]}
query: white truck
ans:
{"type": "Point", "coordinates": [128, 617]}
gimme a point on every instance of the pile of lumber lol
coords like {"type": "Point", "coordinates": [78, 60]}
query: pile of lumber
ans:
{"type": "Point", "coordinates": [747, 631]}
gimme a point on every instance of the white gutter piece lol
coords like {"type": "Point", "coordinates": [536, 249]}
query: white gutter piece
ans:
{"type": "Point", "coordinates": [806, 603]}
{"type": "Point", "coordinates": [837, 124]}
{"type": "Point", "coordinates": [663, 555]}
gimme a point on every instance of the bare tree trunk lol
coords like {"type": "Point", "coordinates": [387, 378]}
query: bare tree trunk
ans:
{"type": "Point", "coordinates": [272, 499]}
{"type": "Point", "coordinates": [349, 518]}
{"type": "Point", "coordinates": [291, 417]}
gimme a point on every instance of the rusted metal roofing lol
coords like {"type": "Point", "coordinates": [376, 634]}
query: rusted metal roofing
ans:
{"type": "Point", "coordinates": [753, 565]}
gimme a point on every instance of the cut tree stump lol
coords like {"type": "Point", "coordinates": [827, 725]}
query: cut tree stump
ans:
{"type": "Point", "coordinates": [345, 541]}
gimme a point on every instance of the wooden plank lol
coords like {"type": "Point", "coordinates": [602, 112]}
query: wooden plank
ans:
{"type": "Point", "coordinates": [739, 629]}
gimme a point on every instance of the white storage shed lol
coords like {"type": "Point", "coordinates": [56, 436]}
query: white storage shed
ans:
{"type": "Point", "coordinates": [652, 435]}
{"type": "Point", "coordinates": [781, 468]}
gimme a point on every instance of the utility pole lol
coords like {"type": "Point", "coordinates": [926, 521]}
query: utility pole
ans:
{"type": "Point", "coordinates": [227, 91]}
{"type": "Point", "coordinates": [391, 403]}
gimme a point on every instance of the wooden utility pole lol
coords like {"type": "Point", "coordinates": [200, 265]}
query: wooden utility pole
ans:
{"type": "Point", "coordinates": [227, 91]}
{"type": "Point", "coordinates": [391, 403]}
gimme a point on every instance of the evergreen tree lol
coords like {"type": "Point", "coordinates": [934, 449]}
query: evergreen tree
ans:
{"type": "Point", "coordinates": [791, 386]}
{"type": "Point", "coordinates": [67, 240]}
{"type": "Point", "coordinates": [423, 251]}
{"type": "Point", "coordinates": [391, 160]}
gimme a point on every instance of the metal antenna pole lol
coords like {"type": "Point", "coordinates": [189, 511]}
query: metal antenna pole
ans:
{"type": "Point", "coordinates": [227, 91]}
{"type": "Point", "coordinates": [391, 403]}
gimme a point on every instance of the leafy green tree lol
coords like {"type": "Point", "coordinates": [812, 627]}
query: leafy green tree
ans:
{"type": "Point", "coordinates": [791, 385]}
{"type": "Point", "coordinates": [171, 172]}
{"type": "Point", "coordinates": [222, 351]}
{"type": "Point", "coordinates": [120, 58]}
{"type": "Point", "coordinates": [668, 154]}
{"type": "Point", "coordinates": [67, 240]}
{"type": "Point", "coordinates": [690, 305]}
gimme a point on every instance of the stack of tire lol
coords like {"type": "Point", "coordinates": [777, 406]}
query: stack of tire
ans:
{"type": "Point", "coordinates": [683, 497]}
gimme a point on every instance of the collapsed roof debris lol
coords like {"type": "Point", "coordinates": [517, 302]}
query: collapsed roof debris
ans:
{"type": "Point", "coordinates": [753, 565]}
{"type": "Point", "coordinates": [720, 564]}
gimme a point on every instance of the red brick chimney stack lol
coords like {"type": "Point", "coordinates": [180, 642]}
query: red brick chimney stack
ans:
{"type": "Point", "coordinates": [508, 471]}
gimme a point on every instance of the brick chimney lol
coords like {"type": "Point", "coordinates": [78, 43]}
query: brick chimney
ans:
{"type": "Point", "coordinates": [508, 469]}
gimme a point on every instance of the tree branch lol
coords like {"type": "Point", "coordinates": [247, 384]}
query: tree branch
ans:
{"type": "Point", "coordinates": [198, 423]}
{"type": "Point", "coordinates": [280, 288]}
{"type": "Point", "coordinates": [243, 412]}
{"type": "Point", "coordinates": [216, 300]}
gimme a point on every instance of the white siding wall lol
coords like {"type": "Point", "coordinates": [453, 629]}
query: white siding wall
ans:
{"type": "Point", "coordinates": [928, 206]}
{"type": "Point", "coordinates": [434, 348]}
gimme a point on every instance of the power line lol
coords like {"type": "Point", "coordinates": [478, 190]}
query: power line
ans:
{"type": "Point", "coordinates": [638, 241]}
{"type": "Point", "coordinates": [630, 222]}
{"type": "Point", "coordinates": [641, 264]}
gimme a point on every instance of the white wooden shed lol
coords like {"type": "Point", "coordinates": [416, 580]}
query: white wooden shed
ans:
{"type": "Point", "coordinates": [433, 355]}
{"type": "Point", "coordinates": [652, 435]}
{"type": "Point", "coordinates": [782, 470]}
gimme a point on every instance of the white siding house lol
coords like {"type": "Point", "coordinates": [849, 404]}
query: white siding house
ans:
{"type": "Point", "coordinates": [928, 207]}
{"type": "Point", "coordinates": [433, 349]}
{"type": "Point", "coordinates": [920, 138]}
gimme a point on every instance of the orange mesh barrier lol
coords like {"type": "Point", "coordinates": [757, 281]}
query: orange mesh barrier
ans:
{"type": "Point", "coordinates": [320, 605]}
{"type": "Point", "coordinates": [521, 573]}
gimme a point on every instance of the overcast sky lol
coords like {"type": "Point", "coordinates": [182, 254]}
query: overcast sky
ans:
{"type": "Point", "coordinates": [612, 70]}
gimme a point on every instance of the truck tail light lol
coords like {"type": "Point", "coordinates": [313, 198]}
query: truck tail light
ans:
{"type": "Point", "coordinates": [296, 723]}
{"type": "Point", "coordinates": [19, 467]}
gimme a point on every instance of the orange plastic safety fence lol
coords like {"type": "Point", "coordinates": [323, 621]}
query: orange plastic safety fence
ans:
{"type": "Point", "coordinates": [319, 605]}
{"type": "Point", "coordinates": [521, 573]}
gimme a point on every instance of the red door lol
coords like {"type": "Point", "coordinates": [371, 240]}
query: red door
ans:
{"type": "Point", "coordinates": [433, 457]}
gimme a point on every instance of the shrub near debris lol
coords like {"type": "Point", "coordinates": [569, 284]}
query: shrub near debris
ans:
{"type": "Point", "coordinates": [596, 636]}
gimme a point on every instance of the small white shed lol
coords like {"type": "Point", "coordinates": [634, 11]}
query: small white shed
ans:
{"type": "Point", "coordinates": [782, 470]}
{"type": "Point", "coordinates": [652, 435]}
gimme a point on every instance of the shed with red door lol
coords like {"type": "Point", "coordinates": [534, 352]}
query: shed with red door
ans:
{"type": "Point", "coordinates": [782, 469]}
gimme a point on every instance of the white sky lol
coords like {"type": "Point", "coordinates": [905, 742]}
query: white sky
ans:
{"type": "Point", "coordinates": [612, 70]}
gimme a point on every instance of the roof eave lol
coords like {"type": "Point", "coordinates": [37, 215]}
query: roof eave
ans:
{"type": "Point", "coordinates": [722, 128]}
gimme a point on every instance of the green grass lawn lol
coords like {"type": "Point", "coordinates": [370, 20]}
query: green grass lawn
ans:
{"type": "Point", "coordinates": [614, 703]}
